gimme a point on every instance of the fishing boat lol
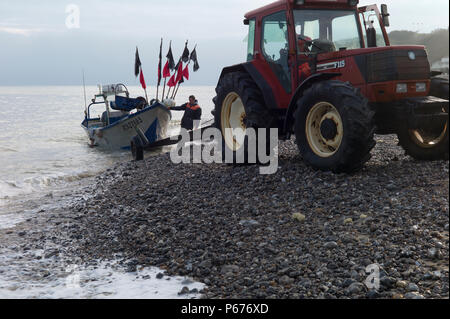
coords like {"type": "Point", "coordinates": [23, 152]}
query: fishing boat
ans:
{"type": "Point", "coordinates": [124, 119]}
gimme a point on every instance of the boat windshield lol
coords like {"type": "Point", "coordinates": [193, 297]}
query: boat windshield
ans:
{"type": "Point", "coordinates": [329, 30]}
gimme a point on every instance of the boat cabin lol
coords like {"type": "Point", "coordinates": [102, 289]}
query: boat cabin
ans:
{"type": "Point", "coordinates": [118, 104]}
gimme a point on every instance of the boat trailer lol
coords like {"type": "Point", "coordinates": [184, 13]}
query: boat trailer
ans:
{"type": "Point", "coordinates": [139, 143]}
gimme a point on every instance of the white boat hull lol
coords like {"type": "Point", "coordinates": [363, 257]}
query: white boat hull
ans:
{"type": "Point", "coordinates": [151, 122]}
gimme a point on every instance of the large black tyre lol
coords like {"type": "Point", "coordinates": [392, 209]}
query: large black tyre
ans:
{"type": "Point", "coordinates": [440, 87]}
{"type": "Point", "coordinates": [334, 127]}
{"type": "Point", "coordinates": [137, 149]}
{"type": "Point", "coordinates": [428, 144]}
{"type": "Point", "coordinates": [239, 104]}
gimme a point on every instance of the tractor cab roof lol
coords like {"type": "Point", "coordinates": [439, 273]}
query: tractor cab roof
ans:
{"type": "Point", "coordinates": [291, 4]}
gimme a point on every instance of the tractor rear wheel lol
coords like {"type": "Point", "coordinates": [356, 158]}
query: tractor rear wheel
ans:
{"type": "Point", "coordinates": [334, 127]}
{"type": "Point", "coordinates": [428, 144]}
{"type": "Point", "coordinates": [238, 106]}
{"type": "Point", "coordinates": [439, 87]}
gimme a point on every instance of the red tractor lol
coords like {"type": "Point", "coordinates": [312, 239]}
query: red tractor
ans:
{"type": "Point", "coordinates": [325, 71]}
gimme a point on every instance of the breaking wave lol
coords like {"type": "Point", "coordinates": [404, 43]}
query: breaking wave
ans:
{"type": "Point", "coordinates": [8, 150]}
{"type": "Point", "coordinates": [9, 189]}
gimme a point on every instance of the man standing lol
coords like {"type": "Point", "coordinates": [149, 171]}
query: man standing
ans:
{"type": "Point", "coordinates": [193, 112]}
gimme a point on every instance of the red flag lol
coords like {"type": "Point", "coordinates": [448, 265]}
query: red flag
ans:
{"type": "Point", "coordinates": [141, 77]}
{"type": "Point", "coordinates": [186, 72]}
{"type": "Point", "coordinates": [166, 71]}
{"type": "Point", "coordinates": [172, 82]}
{"type": "Point", "coordinates": [180, 72]}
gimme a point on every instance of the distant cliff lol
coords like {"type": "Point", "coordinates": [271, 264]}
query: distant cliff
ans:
{"type": "Point", "coordinates": [437, 42]}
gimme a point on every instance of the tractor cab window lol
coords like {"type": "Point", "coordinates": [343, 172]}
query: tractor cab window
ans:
{"type": "Point", "coordinates": [373, 33]}
{"type": "Point", "coordinates": [275, 47]}
{"type": "Point", "coordinates": [251, 40]}
{"type": "Point", "coordinates": [321, 31]}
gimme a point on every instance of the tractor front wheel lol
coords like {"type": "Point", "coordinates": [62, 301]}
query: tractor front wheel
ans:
{"type": "Point", "coordinates": [334, 127]}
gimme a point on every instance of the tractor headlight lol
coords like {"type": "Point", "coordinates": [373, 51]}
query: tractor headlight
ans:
{"type": "Point", "coordinates": [402, 88]}
{"type": "Point", "coordinates": [421, 87]}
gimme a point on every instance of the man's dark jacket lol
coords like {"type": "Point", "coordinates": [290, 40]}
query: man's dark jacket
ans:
{"type": "Point", "coordinates": [191, 113]}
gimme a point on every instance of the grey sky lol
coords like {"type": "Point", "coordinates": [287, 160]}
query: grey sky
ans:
{"type": "Point", "coordinates": [37, 48]}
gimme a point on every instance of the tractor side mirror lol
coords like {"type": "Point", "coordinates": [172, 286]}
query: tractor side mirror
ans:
{"type": "Point", "coordinates": [385, 15]}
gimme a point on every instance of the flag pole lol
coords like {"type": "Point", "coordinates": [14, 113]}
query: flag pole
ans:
{"type": "Point", "coordinates": [164, 89]}
{"type": "Point", "coordinates": [176, 91]}
{"type": "Point", "coordinates": [146, 97]}
{"type": "Point", "coordinates": [84, 88]}
{"type": "Point", "coordinates": [175, 87]}
{"type": "Point", "coordinates": [165, 79]}
{"type": "Point", "coordinates": [145, 90]}
{"type": "Point", "coordinates": [159, 70]}
{"type": "Point", "coordinates": [157, 92]}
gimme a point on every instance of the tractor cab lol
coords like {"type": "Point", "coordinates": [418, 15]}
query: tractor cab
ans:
{"type": "Point", "coordinates": [293, 40]}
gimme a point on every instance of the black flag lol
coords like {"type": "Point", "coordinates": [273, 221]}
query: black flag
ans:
{"type": "Point", "coordinates": [137, 63]}
{"type": "Point", "coordinates": [185, 56]}
{"type": "Point", "coordinates": [193, 58]}
{"type": "Point", "coordinates": [160, 64]}
{"type": "Point", "coordinates": [170, 58]}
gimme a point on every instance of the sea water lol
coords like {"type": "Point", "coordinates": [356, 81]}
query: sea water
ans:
{"type": "Point", "coordinates": [45, 158]}
{"type": "Point", "coordinates": [42, 144]}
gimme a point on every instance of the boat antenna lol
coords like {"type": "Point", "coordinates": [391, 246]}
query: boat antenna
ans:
{"type": "Point", "coordinates": [84, 88]}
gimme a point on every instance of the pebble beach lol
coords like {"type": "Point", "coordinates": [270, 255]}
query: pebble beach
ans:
{"type": "Point", "coordinates": [297, 234]}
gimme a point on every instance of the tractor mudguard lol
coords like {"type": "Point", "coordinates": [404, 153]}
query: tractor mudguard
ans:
{"type": "Point", "coordinates": [250, 69]}
{"type": "Point", "coordinates": [289, 120]}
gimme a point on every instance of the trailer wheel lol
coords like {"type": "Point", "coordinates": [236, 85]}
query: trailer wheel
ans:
{"type": "Point", "coordinates": [239, 105]}
{"type": "Point", "coordinates": [137, 149]}
{"type": "Point", "coordinates": [334, 127]}
{"type": "Point", "coordinates": [428, 144]}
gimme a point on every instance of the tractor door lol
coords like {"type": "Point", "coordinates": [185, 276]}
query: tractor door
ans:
{"type": "Point", "coordinates": [307, 29]}
{"type": "Point", "coordinates": [275, 47]}
{"type": "Point", "coordinates": [273, 60]}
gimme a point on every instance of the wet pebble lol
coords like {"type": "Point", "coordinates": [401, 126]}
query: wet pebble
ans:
{"type": "Point", "coordinates": [298, 233]}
